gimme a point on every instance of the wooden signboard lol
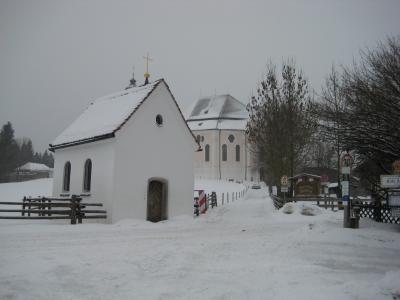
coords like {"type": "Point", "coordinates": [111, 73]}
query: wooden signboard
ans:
{"type": "Point", "coordinates": [390, 181]}
{"type": "Point", "coordinates": [306, 185]}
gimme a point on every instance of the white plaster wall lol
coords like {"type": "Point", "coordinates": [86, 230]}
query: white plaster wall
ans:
{"type": "Point", "coordinates": [207, 169]}
{"type": "Point", "coordinates": [230, 169]}
{"type": "Point", "coordinates": [102, 155]}
{"type": "Point", "coordinates": [144, 150]}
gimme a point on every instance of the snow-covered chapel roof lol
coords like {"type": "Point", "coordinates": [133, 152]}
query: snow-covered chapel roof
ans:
{"type": "Point", "coordinates": [217, 112]}
{"type": "Point", "coordinates": [106, 115]}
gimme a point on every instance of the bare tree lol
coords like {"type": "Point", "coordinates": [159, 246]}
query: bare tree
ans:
{"type": "Point", "coordinates": [371, 117]}
{"type": "Point", "coordinates": [330, 112]}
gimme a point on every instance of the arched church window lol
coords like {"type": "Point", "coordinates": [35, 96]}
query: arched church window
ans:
{"type": "Point", "coordinates": [237, 153]}
{"type": "Point", "coordinates": [87, 176]}
{"type": "Point", "coordinates": [207, 153]}
{"type": "Point", "coordinates": [224, 152]}
{"type": "Point", "coordinates": [231, 138]}
{"type": "Point", "coordinates": [67, 176]}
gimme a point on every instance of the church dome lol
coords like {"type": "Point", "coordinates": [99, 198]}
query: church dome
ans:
{"type": "Point", "coordinates": [217, 112]}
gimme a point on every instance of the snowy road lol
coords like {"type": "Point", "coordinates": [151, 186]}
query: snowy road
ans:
{"type": "Point", "coordinates": [243, 250]}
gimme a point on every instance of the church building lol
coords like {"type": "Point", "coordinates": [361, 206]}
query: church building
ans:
{"type": "Point", "coordinates": [131, 151]}
{"type": "Point", "coordinates": [219, 124]}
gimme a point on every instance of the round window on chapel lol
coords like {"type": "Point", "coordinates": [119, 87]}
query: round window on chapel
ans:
{"type": "Point", "coordinates": [231, 138]}
{"type": "Point", "coordinates": [159, 120]}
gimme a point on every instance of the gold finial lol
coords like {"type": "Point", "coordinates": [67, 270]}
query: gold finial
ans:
{"type": "Point", "coordinates": [147, 58]}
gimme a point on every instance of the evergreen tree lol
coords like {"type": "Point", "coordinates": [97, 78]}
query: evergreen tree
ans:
{"type": "Point", "coordinates": [51, 161]}
{"type": "Point", "coordinates": [8, 151]}
{"type": "Point", "coordinates": [37, 157]}
{"type": "Point", "coordinates": [26, 152]}
{"type": "Point", "coordinates": [47, 159]}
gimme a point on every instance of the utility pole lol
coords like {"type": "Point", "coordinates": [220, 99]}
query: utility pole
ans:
{"type": "Point", "coordinates": [345, 162]}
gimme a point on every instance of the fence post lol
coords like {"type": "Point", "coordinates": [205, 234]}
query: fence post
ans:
{"type": "Point", "coordinates": [42, 207]}
{"type": "Point", "coordinates": [49, 207]}
{"type": "Point", "coordinates": [227, 197]}
{"type": "Point", "coordinates": [332, 204]}
{"type": "Point", "coordinates": [79, 207]}
{"type": "Point", "coordinates": [222, 199]}
{"type": "Point", "coordinates": [377, 211]}
{"type": "Point", "coordinates": [73, 210]}
{"type": "Point", "coordinates": [29, 206]}
{"type": "Point", "coordinates": [23, 206]}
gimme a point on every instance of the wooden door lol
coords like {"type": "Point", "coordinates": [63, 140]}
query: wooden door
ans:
{"type": "Point", "coordinates": [155, 201]}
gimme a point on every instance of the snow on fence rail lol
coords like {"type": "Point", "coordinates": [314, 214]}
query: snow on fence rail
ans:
{"type": "Point", "coordinates": [326, 202]}
{"type": "Point", "coordinates": [53, 208]}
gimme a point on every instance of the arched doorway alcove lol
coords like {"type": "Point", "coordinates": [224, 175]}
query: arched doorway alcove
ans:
{"type": "Point", "coordinates": [157, 200]}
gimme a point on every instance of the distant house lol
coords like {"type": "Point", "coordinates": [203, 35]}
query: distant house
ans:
{"type": "Point", "coordinates": [131, 151]}
{"type": "Point", "coordinates": [219, 124]}
{"type": "Point", "coordinates": [30, 171]}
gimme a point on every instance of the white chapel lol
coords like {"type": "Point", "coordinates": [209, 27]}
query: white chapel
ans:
{"type": "Point", "coordinates": [219, 124]}
{"type": "Point", "coordinates": [131, 151]}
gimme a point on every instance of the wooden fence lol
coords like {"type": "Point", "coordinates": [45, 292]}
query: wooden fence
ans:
{"type": "Point", "coordinates": [226, 197]}
{"type": "Point", "coordinates": [43, 208]}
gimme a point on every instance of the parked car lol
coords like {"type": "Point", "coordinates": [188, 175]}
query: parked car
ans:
{"type": "Point", "coordinates": [256, 187]}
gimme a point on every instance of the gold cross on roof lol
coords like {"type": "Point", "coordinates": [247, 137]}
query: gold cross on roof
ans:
{"type": "Point", "coordinates": [147, 58]}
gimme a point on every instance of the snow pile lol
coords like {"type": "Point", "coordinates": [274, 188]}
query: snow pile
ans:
{"type": "Point", "coordinates": [390, 284]}
{"type": "Point", "coordinates": [288, 208]}
{"type": "Point", "coordinates": [242, 250]}
{"type": "Point", "coordinates": [15, 191]}
{"type": "Point", "coordinates": [302, 208]}
{"type": "Point", "coordinates": [310, 210]}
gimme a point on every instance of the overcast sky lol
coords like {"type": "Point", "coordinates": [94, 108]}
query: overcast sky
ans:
{"type": "Point", "coordinates": [58, 56]}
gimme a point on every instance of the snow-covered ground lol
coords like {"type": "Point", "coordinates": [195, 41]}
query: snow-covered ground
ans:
{"type": "Point", "coordinates": [242, 250]}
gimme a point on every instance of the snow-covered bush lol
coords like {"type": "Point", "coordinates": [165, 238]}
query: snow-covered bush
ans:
{"type": "Point", "coordinates": [288, 208]}
{"type": "Point", "coordinates": [310, 210]}
{"type": "Point", "coordinates": [304, 209]}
